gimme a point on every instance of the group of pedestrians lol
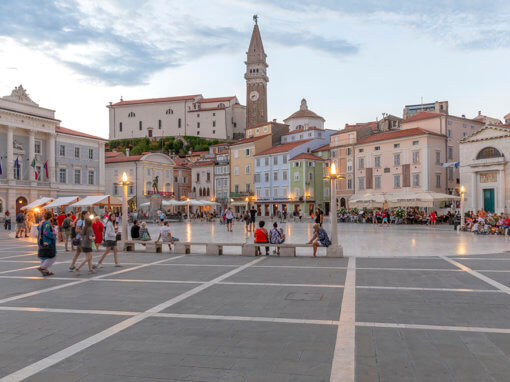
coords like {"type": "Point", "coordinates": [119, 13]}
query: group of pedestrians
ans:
{"type": "Point", "coordinates": [85, 233]}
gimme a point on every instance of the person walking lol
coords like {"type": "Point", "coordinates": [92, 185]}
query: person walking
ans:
{"type": "Point", "coordinates": [319, 239]}
{"type": "Point", "coordinates": [77, 240]}
{"type": "Point", "coordinates": [66, 228]}
{"type": "Point", "coordinates": [87, 237]}
{"type": "Point", "coordinates": [46, 242]}
{"type": "Point", "coordinates": [247, 219]}
{"type": "Point", "coordinates": [253, 214]}
{"type": "Point", "coordinates": [110, 242]}
{"type": "Point", "coordinates": [261, 236]}
{"type": "Point", "coordinates": [98, 228]}
{"type": "Point", "coordinates": [20, 224]}
{"type": "Point", "coordinates": [7, 221]}
{"type": "Point", "coordinates": [165, 235]}
{"type": "Point", "coordinates": [229, 216]}
{"type": "Point", "coordinates": [60, 220]}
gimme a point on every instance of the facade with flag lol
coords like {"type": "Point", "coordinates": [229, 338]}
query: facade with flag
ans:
{"type": "Point", "coordinates": [39, 158]}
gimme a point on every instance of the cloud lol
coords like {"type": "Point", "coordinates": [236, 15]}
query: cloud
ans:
{"type": "Point", "coordinates": [124, 43]}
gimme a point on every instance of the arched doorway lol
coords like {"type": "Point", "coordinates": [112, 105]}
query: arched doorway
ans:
{"type": "Point", "coordinates": [342, 202]}
{"type": "Point", "coordinates": [20, 202]}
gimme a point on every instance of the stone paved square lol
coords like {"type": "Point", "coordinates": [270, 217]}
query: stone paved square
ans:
{"type": "Point", "coordinates": [233, 318]}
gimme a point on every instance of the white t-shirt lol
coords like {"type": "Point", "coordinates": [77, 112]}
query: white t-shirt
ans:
{"type": "Point", "coordinates": [229, 214]}
{"type": "Point", "coordinates": [165, 233]}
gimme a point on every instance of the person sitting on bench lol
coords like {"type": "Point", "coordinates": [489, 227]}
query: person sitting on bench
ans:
{"type": "Point", "coordinates": [261, 236]}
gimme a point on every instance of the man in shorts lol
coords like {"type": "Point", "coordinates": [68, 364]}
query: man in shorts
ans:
{"type": "Point", "coordinates": [253, 213]}
{"type": "Point", "coordinates": [229, 216]}
{"type": "Point", "coordinates": [165, 235]}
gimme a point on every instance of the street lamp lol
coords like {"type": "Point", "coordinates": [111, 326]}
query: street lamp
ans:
{"type": "Point", "coordinates": [125, 183]}
{"type": "Point", "coordinates": [335, 249]}
{"type": "Point", "coordinates": [187, 205]}
{"type": "Point", "coordinates": [462, 216]}
{"type": "Point", "coordinates": [246, 200]}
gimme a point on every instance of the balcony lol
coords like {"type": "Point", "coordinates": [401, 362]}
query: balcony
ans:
{"type": "Point", "coordinates": [241, 194]}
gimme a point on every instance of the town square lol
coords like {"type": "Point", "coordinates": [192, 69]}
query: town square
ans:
{"type": "Point", "coordinates": [168, 213]}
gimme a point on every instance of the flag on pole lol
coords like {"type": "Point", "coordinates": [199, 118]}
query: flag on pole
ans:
{"type": "Point", "coordinates": [46, 169]}
{"type": "Point", "coordinates": [33, 163]}
{"type": "Point", "coordinates": [16, 164]}
{"type": "Point", "coordinates": [1, 168]}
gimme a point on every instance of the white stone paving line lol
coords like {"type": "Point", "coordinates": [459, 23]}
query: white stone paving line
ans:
{"type": "Point", "coordinates": [433, 327]}
{"type": "Point", "coordinates": [56, 287]}
{"type": "Point", "coordinates": [73, 311]}
{"type": "Point", "coordinates": [284, 284]}
{"type": "Point", "coordinates": [478, 275]}
{"type": "Point", "coordinates": [19, 269]}
{"type": "Point", "coordinates": [12, 257]}
{"type": "Point", "coordinates": [55, 358]}
{"type": "Point", "coordinates": [429, 289]}
{"type": "Point", "coordinates": [343, 367]}
{"type": "Point", "coordinates": [409, 269]}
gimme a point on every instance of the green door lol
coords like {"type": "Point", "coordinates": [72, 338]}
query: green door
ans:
{"type": "Point", "coordinates": [488, 199]}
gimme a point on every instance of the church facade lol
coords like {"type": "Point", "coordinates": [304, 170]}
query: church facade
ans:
{"type": "Point", "coordinates": [40, 158]}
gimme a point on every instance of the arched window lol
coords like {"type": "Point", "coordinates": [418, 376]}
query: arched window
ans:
{"type": "Point", "coordinates": [208, 192]}
{"type": "Point", "coordinates": [488, 152]}
{"type": "Point", "coordinates": [167, 187]}
{"type": "Point", "coordinates": [194, 189]}
{"type": "Point", "coordinates": [221, 105]}
{"type": "Point", "coordinates": [179, 123]}
{"type": "Point", "coordinates": [169, 111]}
{"type": "Point", "coordinates": [131, 115]}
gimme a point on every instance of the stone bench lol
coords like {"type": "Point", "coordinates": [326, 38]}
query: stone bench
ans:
{"type": "Point", "coordinates": [211, 249]}
{"type": "Point", "coordinates": [150, 246]}
{"type": "Point", "coordinates": [286, 249]}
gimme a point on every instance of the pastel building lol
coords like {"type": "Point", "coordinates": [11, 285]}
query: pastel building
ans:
{"type": "Point", "coordinates": [202, 183]}
{"type": "Point", "coordinates": [485, 170]}
{"type": "Point", "coordinates": [307, 184]}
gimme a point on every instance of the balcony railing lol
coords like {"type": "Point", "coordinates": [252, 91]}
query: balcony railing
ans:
{"type": "Point", "coordinates": [240, 194]}
{"type": "Point", "coordinates": [165, 194]}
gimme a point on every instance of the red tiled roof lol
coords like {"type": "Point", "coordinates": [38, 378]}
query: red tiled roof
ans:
{"type": "Point", "coordinates": [282, 148]}
{"type": "Point", "coordinates": [156, 100]}
{"type": "Point", "coordinates": [398, 134]}
{"type": "Point", "coordinates": [248, 140]}
{"type": "Point", "coordinates": [202, 163]}
{"type": "Point", "coordinates": [198, 153]}
{"type": "Point", "coordinates": [131, 158]}
{"type": "Point", "coordinates": [63, 130]}
{"type": "Point", "coordinates": [217, 99]}
{"type": "Point", "coordinates": [422, 115]}
{"type": "Point", "coordinates": [112, 154]}
{"type": "Point", "coordinates": [507, 116]}
{"type": "Point", "coordinates": [323, 148]}
{"type": "Point", "coordinates": [306, 156]}
{"type": "Point", "coordinates": [348, 127]}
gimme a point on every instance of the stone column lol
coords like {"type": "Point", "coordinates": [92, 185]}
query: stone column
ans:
{"type": "Point", "coordinates": [10, 153]}
{"type": "Point", "coordinates": [31, 154]}
{"type": "Point", "coordinates": [474, 193]}
{"type": "Point", "coordinates": [51, 157]}
{"type": "Point", "coordinates": [502, 196]}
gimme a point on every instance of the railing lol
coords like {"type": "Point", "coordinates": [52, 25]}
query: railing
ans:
{"type": "Point", "coordinates": [240, 194]}
{"type": "Point", "coordinates": [161, 193]}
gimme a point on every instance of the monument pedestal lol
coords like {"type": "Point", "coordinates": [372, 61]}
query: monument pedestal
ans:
{"type": "Point", "coordinates": [335, 251]}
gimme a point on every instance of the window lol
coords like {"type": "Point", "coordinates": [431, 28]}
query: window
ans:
{"type": "Point", "coordinates": [115, 189]}
{"type": "Point", "coordinates": [247, 169]}
{"type": "Point", "coordinates": [148, 171]}
{"type": "Point", "coordinates": [349, 166]}
{"type": "Point", "coordinates": [120, 127]}
{"type": "Point", "coordinates": [62, 150]}
{"type": "Point", "coordinates": [266, 177]}
{"type": "Point", "coordinates": [377, 182]}
{"type": "Point", "coordinates": [257, 131]}
{"type": "Point", "coordinates": [297, 192]}
{"type": "Point", "coordinates": [284, 161]}
{"type": "Point", "coordinates": [450, 173]}
{"type": "Point", "coordinates": [131, 190]}
{"type": "Point", "coordinates": [449, 122]}
{"type": "Point", "coordinates": [91, 177]}
{"type": "Point", "coordinates": [310, 176]}
{"type": "Point", "coordinates": [348, 151]}
{"type": "Point", "coordinates": [159, 124]}
{"type": "Point", "coordinates": [198, 125]}
{"type": "Point", "coordinates": [416, 180]}
{"type": "Point", "coordinates": [361, 150]}
{"type": "Point", "coordinates": [77, 176]}
{"type": "Point", "coordinates": [284, 175]}
{"type": "Point", "coordinates": [396, 159]}
{"type": "Point", "coordinates": [296, 177]}
{"type": "Point", "coordinates": [265, 129]}
{"type": "Point", "coordinates": [438, 157]}
{"type": "Point", "coordinates": [351, 138]}
{"type": "Point", "coordinates": [198, 115]}
{"type": "Point", "coordinates": [361, 163]}
{"type": "Point", "coordinates": [275, 160]}
{"type": "Point", "coordinates": [275, 175]}
{"type": "Point", "coordinates": [249, 133]}
{"type": "Point", "coordinates": [377, 148]}
{"type": "Point", "coordinates": [377, 161]}
{"type": "Point", "coordinates": [179, 123]}
{"type": "Point", "coordinates": [62, 175]}
{"type": "Point", "coordinates": [140, 125]}
{"type": "Point", "coordinates": [214, 131]}
{"type": "Point", "coordinates": [361, 183]}
{"type": "Point", "coordinates": [349, 183]}
{"type": "Point", "coordinates": [464, 134]}
{"type": "Point", "coordinates": [464, 125]}
{"type": "Point", "coordinates": [416, 157]}
{"type": "Point", "coordinates": [37, 147]}
{"type": "Point", "coordinates": [236, 170]}
{"type": "Point", "coordinates": [266, 161]}
{"type": "Point", "coordinates": [450, 152]}
{"type": "Point", "coordinates": [416, 143]}
{"type": "Point", "coordinates": [396, 145]}
{"type": "Point", "coordinates": [438, 180]}
{"type": "Point", "coordinates": [285, 193]}
{"type": "Point", "coordinates": [77, 152]}
{"type": "Point", "coordinates": [236, 188]}
{"type": "Point", "coordinates": [275, 192]}
{"type": "Point", "coordinates": [257, 162]}
{"type": "Point", "coordinates": [396, 181]}
{"type": "Point", "coordinates": [449, 133]}
{"type": "Point", "coordinates": [488, 152]}
{"type": "Point", "coordinates": [247, 187]}
{"type": "Point", "coordinates": [214, 123]}
{"type": "Point", "coordinates": [257, 177]}
{"type": "Point", "coordinates": [169, 111]}
{"type": "Point", "coordinates": [208, 176]}
{"type": "Point", "coordinates": [247, 152]}
{"type": "Point", "coordinates": [267, 192]}
{"type": "Point", "coordinates": [91, 153]}
{"type": "Point", "coordinates": [131, 115]}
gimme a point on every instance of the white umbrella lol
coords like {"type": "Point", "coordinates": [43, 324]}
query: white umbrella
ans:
{"type": "Point", "coordinates": [62, 202]}
{"type": "Point", "coordinates": [368, 200]}
{"type": "Point", "coordinates": [37, 203]}
{"type": "Point", "coordinates": [99, 200]}
{"type": "Point", "coordinates": [169, 203]}
{"type": "Point", "coordinates": [419, 199]}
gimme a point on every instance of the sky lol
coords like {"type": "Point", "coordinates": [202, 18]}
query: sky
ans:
{"type": "Point", "coordinates": [351, 59]}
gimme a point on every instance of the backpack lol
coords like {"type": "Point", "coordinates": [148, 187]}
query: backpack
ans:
{"type": "Point", "coordinates": [66, 224]}
{"type": "Point", "coordinates": [19, 218]}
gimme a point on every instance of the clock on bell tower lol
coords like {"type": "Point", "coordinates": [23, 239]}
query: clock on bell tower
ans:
{"type": "Point", "coordinates": [256, 79]}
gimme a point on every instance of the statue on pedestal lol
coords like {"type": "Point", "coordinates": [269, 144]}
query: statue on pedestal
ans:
{"type": "Point", "coordinates": [155, 182]}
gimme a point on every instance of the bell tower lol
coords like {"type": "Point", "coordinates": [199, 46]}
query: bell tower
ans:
{"type": "Point", "coordinates": [256, 79]}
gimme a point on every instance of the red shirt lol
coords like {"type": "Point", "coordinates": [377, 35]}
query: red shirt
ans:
{"type": "Point", "coordinates": [98, 227]}
{"type": "Point", "coordinates": [261, 235]}
{"type": "Point", "coordinates": [60, 219]}
{"type": "Point", "coordinates": [507, 222]}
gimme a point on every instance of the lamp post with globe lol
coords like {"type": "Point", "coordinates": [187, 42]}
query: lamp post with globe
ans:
{"type": "Point", "coordinates": [335, 249]}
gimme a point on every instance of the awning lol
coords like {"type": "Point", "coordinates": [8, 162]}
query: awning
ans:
{"type": "Point", "coordinates": [99, 200]}
{"type": "Point", "coordinates": [62, 202]}
{"type": "Point", "coordinates": [170, 203]}
{"type": "Point", "coordinates": [419, 199]}
{"type": "Point", "coordinates": [368, 200]}
{"type": "Point", "coordinates": [37, 203]}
